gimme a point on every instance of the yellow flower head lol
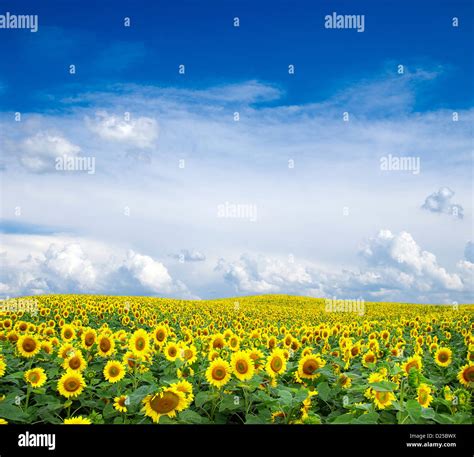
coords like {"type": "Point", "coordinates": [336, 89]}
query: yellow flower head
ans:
{"type": "Point", "coordinates": [308, 366]}
{"type": "Point", "coordinates": [242, 365]}
{"type": "Point", "coordinates": [36, 377]}
{"type": "Point", "coordinates": [166, 403]}
{"type": "Point", "coordinates": [218, 373]}
{"type": "Point", "coordinates": [114, 371]}
{"type": "Point", "coordinates": [71, 384]}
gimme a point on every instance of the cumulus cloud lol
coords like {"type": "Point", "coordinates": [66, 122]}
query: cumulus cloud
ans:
{"type": "Point", "coordinates": [140, 132]}
{"type": "Point", "coordinates": [79, 266]}
{"type": "Point", "coordinates": [396, 269]}
{"type": "Point", "coordinates": [38, 153]}
{"type": "Point", "coordinates": [265, 275]}
{"type": "Point", "coordinates": [440, 202]}
{"type": "Point", "coordinates": [186, 255]}
{"type": "Point", "coordinates": [469, 251]}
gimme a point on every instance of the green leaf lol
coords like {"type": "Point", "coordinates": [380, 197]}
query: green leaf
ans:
{"type": "Point", "coordinates": [12, 412]}
{"type": "Point", "coordinates": [344, 419]}
{"type": "Point", "coordinates": [191, 417]}
{"type": "Point", "coordinates": [324, 390]}
{"type": "Point", "coordinates": [285, 398]}
{"type": "Point", "coordinates": [369, 418]}
{"type": "Point", "coordinates": [413, 410]}
{"type": "Point", "coordinates": [383, 386]}
{"type": "Point", "coordinates": [228, 403]}
{"type": "Point", "coordinates": [203, 397]}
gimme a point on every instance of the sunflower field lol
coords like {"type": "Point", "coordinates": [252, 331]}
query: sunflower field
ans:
{"type": "Point", "coordinates": [82, 359]}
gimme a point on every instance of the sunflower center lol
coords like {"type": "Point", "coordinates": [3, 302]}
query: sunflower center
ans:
{"type": "Point", "coordinates": [160, 335]}
{"type": "Point", "coordinates": [242, 366]}
{"type": "Point", "coordinates": [188, 354]}
{"type": "Point", "coordinates": [114, 371]}
{"type": "Point", "coordinates": [469, 374]}
{"type": "Point", "coordinates": [34, 377]}
{"type": "Point", "coordinates": [29, 345]}
{"type": "Point", "coordinates": [75, 363]}
{"type": "Point", "coordinates": [218, 344]}
{"type": "Point", "coordinates": [218, 373]}
{"type": "Point", "coordinates": [310, 366]}
{"type": "Point", "coordinates": [140, 343]}
{"type": "Point", "coordinates": [164, 403]}
{"type": "Point", "coordinates": [276, 364]}
{"type": "Point", "coordinates": [172, 351]}
{"type": "Point", "coordinates": [68, 334]}
{"type": "Point", "coordinates": [105, 345]}
{"type": "Point", "coordinates": [382, 396]}
{"type": "Point", "coordinates": [443, 357]}
{"type": "Point", "coordinates": [71, 385]}
{"type": "Point", "coordinates": [89, 340]}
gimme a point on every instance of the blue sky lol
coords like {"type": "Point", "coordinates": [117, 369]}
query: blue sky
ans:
{"type": "Point", "coordinates": [171, 162]}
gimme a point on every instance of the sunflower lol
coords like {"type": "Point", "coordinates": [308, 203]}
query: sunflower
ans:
{"type": "Point", "coordinates": [68, 333]}
{"type": "Point", "coordinates": [369, 357]}
{"type": "Point", "coordinates": [114, 371]}
{"type": "Point", "coordinates": [344, 381]}
{"type": "Point", "coordinates": [466, 375]}
{"type": "Point", "coordinates": [139, 343]}
{"type": "Point", "coordinates": [77, 420]}
{"type": "Point", "coordinates": [28, 346]}
{"type": "Point", "coordinates": [186, 388]}
{"type": "Point", "coordinates": [308, 366]}
{"type": "Point", "coordinates": [71, 384]}
{"type": "Point", "coordinates": [166, 403]}
{"type": "Point", "coordinates": [88, 338]}
{"type": "Point", "coordinates": [257, 356]}
{"type": "Point", "coordinates": [276, 363]}
{"type": "Point", "coordinates": [3, 422]}
{"type": "Point", "coordinates": [105, 345]}
{"type": "Point", "coordinates": [424, 398]}
{"type": "Point", "coordinates": [383, 399]}
{"type": "Point", "coordinates": [412, 362]}
{"type": "Point", "coordinates": [443, 357]}
{"type": "Point", "coordinates": [160, 334]}
{"type": "Point", "coordinates": [242, 365]}
{"type": "Point", "coordinates": [189, 354]}
{"type": "Point", "coordinates": [36, 377]}
{"type": "Point", "coordinates": [75, 362]}
{"type": "Point", "coordinates": [120, 403]}
{"type": "Point", "coordinates": [47, 347]}
{"type": "Point", "coordinates": [218, 372]}
{"type": "Point", "coordinates": [171, 351]}
{"type": "Point", "coordinates": [3, 367]}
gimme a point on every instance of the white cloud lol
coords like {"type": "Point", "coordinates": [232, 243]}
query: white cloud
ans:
{"type": "Point", "coordinates": [440, 202]}
{"type": "Point", "coordinates": [469, 251]}
{"type": "Point", "coordinates": [70, 263]}
{"type": "Point", "coordinates": [140, 132]}
{"type": "Point", "coordinates": [38, 153]}
{"type": "Point", "coordinates": [192, 255]}
{"type": "Point", "coordinates": [397, 270]}
{"type": "Point", "coordinates": [58, 264]}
